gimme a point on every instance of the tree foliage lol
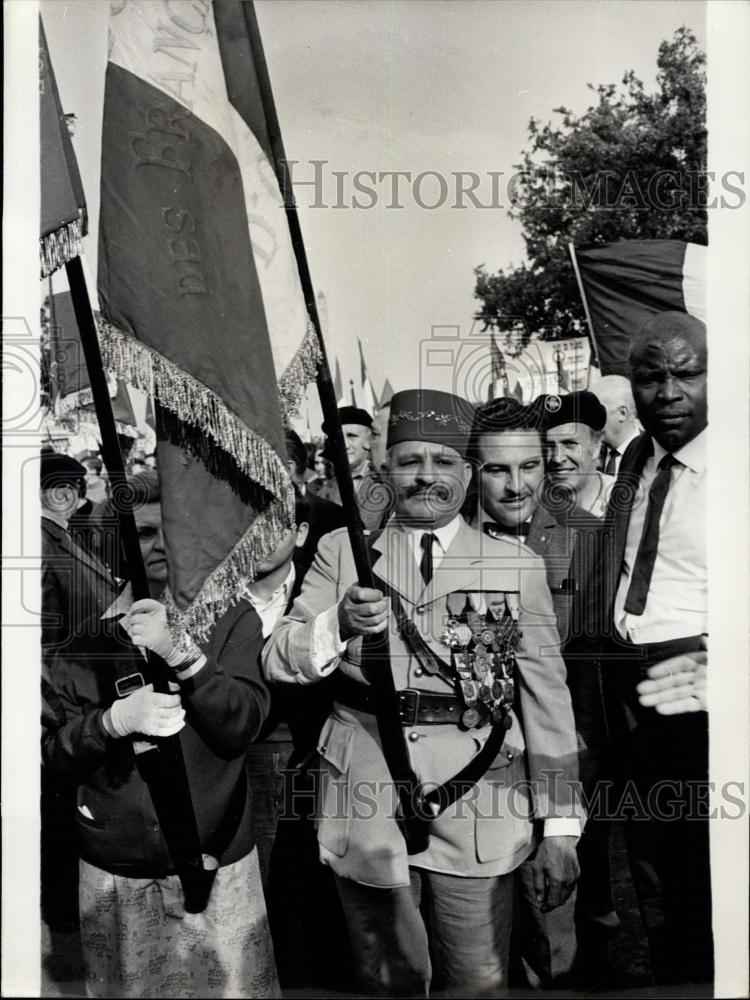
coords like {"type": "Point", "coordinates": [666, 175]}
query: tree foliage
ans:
{"type": "Point", "coordinates": [632, 166]}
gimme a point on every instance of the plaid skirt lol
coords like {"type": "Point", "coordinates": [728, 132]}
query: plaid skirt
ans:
{"type": "Point", "coordinates": [138, 941]}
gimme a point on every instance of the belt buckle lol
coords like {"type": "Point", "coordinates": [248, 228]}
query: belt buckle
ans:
{"type": "Point", "coordinates": [408, 706]}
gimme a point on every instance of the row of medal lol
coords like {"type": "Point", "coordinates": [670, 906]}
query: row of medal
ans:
{"type": "Point", "coordinates": [483, 653]}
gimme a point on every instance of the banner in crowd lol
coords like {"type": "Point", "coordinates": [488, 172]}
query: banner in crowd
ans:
{"type": "Point", "coordinates": [625, 283]}
{"type": "Point", "coordinates": [549, 366]}
{"type": "Point", "coordinates": [63, 206]}
{"type": "Point", "coordinates": [369, 400]}
{"type": "Point", "coordinates": [200, 295]}
{"type": "Point", "coordinates": [70, 390]}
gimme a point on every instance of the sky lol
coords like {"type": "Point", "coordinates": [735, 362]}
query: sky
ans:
{"type": "Point", "coordinates": [401, 85]}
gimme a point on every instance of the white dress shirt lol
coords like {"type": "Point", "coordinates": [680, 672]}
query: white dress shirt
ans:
{"type": "Point", "coordinates": [619, 451]}
{"type": "Point", "coordinates": [677, 603]}
{"type": "Point", "coordinates": [272, 608]}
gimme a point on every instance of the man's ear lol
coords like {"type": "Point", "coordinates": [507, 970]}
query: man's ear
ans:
{"type": "Point", "coordinates": [291, 468]}
{"type": "Point", "coordinates": [467, 474]}
{"type": "Point", "coordinates": [303, 530]}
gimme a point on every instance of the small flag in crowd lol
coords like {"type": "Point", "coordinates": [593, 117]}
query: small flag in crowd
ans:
{"type": "Point", "coordinates": [387, 394]}
{"type": "Point", "coordinates": [351, 390]}
{"type": "Point", "coordinates": [201, 298]}
{"type": "Point", "coordinates": [563, 385]}
{"type": "Point", "coordinates": [499, 371]}
{"type": "Point", "coordinates": [70, 390]}
{"type": "Point", "coordinates": [625, 283]}
{"type": "Point", "coordinates": [63, 206]}
{"type": "Point", "coordinates": [338, 385]}
{"type": "Point", "coordinates": [367, 393]}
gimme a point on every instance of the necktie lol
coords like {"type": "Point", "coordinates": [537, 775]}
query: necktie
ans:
{"type": "Point", "coordinates": [610, 468]}
{"type": "Point", "coordinates": [640, 579]}
{"type": "Point", "coordinates": [495, 530]}
{"type": "Point", "coordinates": [602, 457]}
{"type": "Point", "coordinates": [425, 564]}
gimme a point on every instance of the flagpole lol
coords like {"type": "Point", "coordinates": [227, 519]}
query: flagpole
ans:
{"type": "Point", "coordinates": [172, 801]}
{"type": "Point", "coordinates": [376, 647]}
{"type": "Point", "coordinates": [572, 252]}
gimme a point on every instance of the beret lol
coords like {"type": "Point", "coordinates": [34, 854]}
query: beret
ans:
{"type": "Point", "coordinates": [580, 407]}
{"type": "Point", "coordinates": [351, 415]}
{"type": "Point", "coordinates": [430, 415]}
{"type": "Point", "coordinates": [59, 470]}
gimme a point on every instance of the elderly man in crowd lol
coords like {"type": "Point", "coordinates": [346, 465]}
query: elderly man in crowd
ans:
{"type": "Point", "coordinates": [616, 396]}
{"type": "Point", "coordinates": [653, 603]}
{"type": "Point", "coordinates": [508, 452]}
{"type": "Point", "coordinates": [373, 498]}
{"type": "Point", "coordinates": [474, 625]}
{"type": "Point", "coordinates": [573, 426]}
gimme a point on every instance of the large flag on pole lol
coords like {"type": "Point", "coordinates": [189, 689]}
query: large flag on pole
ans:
{"type": "Point", "coordinates": [624, 284]}
{"type": "Point", "coordinates": [369, 399]}
{"type": "Point", "coordinates": [63, 207]}
{"type": "Point", "coordinates": [200, 294]}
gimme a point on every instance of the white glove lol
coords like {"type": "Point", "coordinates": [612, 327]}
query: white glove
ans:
{"type": "Point", "coordinates": [146, 712]}
{"type": "Point", "coordinates": [147, 625]}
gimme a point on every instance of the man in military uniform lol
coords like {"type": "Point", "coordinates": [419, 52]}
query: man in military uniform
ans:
{"type": "Point", "coordinates": [475, 628]}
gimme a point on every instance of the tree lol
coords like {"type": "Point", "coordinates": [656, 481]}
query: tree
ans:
{"type": "Point", "coordinates": [631, 167]}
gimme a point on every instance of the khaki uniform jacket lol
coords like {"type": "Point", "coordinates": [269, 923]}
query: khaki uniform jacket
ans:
{"type": "Point", "coordinates": [489, 831]}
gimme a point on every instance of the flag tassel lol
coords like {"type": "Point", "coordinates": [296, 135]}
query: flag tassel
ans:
{"type": "Point", "coordinates": [61, 245]}
{"type": "Point", "coordinates": [194, 404]}
{"type": "Point", "coordinates": [302, 369]}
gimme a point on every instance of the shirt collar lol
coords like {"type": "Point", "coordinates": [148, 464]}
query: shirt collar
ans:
{"type": "Point", "coordinates": [283, 590]}
{"type": "Point", "coordinates": [444, 535]}
{"type": "Point", "coordinates": [692, 454]}
{"type": "Point", "coordinates": [56, 519]}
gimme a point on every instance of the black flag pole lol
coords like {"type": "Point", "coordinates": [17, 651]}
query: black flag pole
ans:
{"type": "Point", "coordinates": [161, 765]}
{"type": "Point", "coordinates": [375, 648]}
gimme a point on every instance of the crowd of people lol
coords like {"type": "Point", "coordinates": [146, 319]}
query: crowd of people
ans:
{"type": "Point", "coordinates": [539, 573]}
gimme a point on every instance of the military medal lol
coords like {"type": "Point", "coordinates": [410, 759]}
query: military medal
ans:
{"type": "Point", "coordinates": [483, 651]}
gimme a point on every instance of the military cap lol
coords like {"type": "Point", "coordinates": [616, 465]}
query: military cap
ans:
{"type": "Point", "coordinates": [60, 470]}
{"type": "Point", "coordinates": [573, 408]}
{"type": "Point", "coordinates": [351, 415]}
{"type": "Point", "coordinates": [430, 415]}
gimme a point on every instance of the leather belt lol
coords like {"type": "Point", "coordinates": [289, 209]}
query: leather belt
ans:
{"type": "Point", "coordinates": [415, 707]}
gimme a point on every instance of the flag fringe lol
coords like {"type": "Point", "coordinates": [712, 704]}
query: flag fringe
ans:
{"type": "Point", "coordinates": [302, 369]}
{"type": "Point", "coordinates": [194, 403]}
{"type": "Point", "coordinates": [61, 245]}
{"type": "Point", "coordinates": [222, 589]}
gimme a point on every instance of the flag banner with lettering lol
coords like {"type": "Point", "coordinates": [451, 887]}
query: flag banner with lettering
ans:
{"type": "Point", "coordinates": [547, 366]}
{"type": "Point", "coordinates": [63, 206]}
{"type": "Point", "coordinates": [202, 304]}
{"type": "Point", "coordinates": [70, 389]}
{"type": "Point", "coordinates": [626, 283]}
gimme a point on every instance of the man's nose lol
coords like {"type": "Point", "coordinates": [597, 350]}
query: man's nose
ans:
{"type": "Point", "coordinates": [513, 482]}
{"type": "Point", "coordinates": [555, 453]}
{"type": "Point", "coordinates": [670, 388]}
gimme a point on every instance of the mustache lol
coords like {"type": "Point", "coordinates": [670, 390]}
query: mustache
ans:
{"type": "Point", "coordinates": [437, 491]}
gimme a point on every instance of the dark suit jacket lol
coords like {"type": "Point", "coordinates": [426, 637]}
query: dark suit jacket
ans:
{"type": "Point", "coordinates": [75, 587]}
{"type": "Point", "coordinates": [324, 516]}
{"type": "Point", "coordinates": [568, 543]}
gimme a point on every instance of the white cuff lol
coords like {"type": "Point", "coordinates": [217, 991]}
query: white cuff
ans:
{"type": "Point", "coordinates": [326, 644]}
{"type": "Point", "coordinates": [562, 826]}
{"type": "Point", "coordinates": [192, 670]}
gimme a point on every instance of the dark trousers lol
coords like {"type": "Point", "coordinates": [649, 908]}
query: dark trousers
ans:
{"type": "Point", "coordinates": [662, 770]}
{"type": "Point", "coordinates": [59, 854]}
{"type": "Point", "coordinates": [448, 929]}
{"type": "Point", "coordinates": [304, 912]}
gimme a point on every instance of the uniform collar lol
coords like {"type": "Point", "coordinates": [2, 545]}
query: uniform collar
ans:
{"type": "Point", "coordinates": [444, 535]}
